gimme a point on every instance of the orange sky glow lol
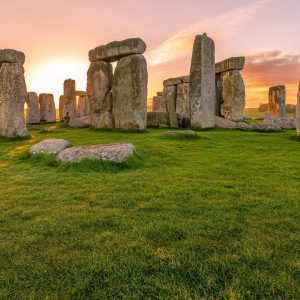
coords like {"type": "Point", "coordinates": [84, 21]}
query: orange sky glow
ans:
{"type": "Point", "coordinates": [57, 35]}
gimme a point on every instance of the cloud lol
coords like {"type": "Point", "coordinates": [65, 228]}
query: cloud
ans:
{"type": "Point", "coordinates": [220, 27]}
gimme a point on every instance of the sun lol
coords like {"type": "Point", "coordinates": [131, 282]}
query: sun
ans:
{"type": "Point", "coordinates": [49, 77]}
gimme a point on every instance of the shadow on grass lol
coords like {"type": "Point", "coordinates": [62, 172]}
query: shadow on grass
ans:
{"type": "Point", "coordinates": [134, 162]}
{"type": "Point", "coordinates": [15, 139]}
{"type": "Point", "coordinates": [181, 137]}
{"type": "Point", "coordinates": [295, 138]}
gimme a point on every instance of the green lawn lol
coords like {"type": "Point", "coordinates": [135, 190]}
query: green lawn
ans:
{"type": "Point", "coordinates": [216, 217]}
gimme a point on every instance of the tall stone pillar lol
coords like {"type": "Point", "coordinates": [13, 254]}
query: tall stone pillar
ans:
{"type": "Point", "coordinates": [69, 98]}
{"type": "Point", "coordinates": [298, 112]}
{"type": "Point", "coordinates": [13, 94]}
{"type": "Point", "coordinates": [33, 115]}
{"type": "Point", "coordinates": [169, 95]}
{"type": "Point", "coordinates": [202, 83]}
{"type": "Point", "coordinates": [277, 96]}
{"type": "Point", "coordinates": [47, 107]}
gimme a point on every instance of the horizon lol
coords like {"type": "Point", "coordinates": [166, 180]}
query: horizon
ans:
{"type": "Point", "coordinates": [57, 48]}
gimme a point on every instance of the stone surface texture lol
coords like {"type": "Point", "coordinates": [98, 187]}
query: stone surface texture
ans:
{"type": "Point", "coordinates": [277, 97]}
{"type": "Point", "coordinates": [232, 63]}
{"type": "Point", "coordinates": [177, 80]}
{"type": "Point", "coordinates": [158, 104]}
{"type": "Point", "coordinates": [11, 56]}
{"type": "Point", "coordinates": [83, 107]}
{"type": "Point", "coordinates": [69, 105]}
{"type": "Point", "coordinates": [80, 122]}
{"type": "Point", "coordinates": [13, 94]}
{"type": "Point", "coordinates": [202, 83]}
{"type": "Point", "coordinates": [154, 119]}
{"type": "Point", "coordinates": [110, 152]}
{"type": "Point", "coordinates": [116, 50]}
{"type": "Point", "coordinates": [223, 123]}
{"type": "Point", "coordinates": [47, 108]}
{"type": "Point", "coordinates": [183, 99]}
{"type": "Point", "coordinates": [181, 133]}
{"type": "Point", "coordinates": [233, 95]}
{"type": "Point", "coordinates": [99, 82]}
{"type": "Point", "coordinates": [33, 115]}
{"type": "Point", "coordinates": [298, 112]}
{"type": "Point", "coordinates": [129, 93]}
{"type": "Point", "coordinates": [49, 146]}
{"type": "Point", "coordinates": [169, 96]}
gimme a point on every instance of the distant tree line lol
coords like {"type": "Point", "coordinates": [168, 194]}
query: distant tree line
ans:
{"type": "Point", "coordinates": [290, 108]}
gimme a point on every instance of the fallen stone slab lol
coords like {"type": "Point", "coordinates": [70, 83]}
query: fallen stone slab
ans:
{"type": "Point", "coordinates": [49, 146]}
{"type": "Point", "coordinates": [244, 126]}
{"type": "Point", "coordinates": [181, 133]}
{"type": "Point", "coordinates": [109, 152]}
{"type": "Point", "coordinates": [177, 80]}
{"type": "Point", "coordinates": [284, 123]}
{"type": "Point", "coordinates": [11, 56]}
{"type": "Point", "coordinates": [271, 127]}
{"type": "Point", "coordinates": [113, 51]}
{"type": "Point", "coordinates": [230, 64]}
{"type": "Point", "coordinates": [223, 123]}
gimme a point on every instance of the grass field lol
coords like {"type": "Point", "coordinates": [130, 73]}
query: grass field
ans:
{"type": "Point", "coordinates": [217, 217]}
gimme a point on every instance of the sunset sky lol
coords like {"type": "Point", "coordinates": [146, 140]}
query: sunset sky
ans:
{"type": "Point", "coordinates": [56, 36]}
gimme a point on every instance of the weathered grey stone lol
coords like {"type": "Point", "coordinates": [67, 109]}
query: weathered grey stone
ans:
{"type": "Point", "coordinates": [222, 123]}
{"type": "Point", "coordinates": [69, 103]}
{"type": "Point", "coordinates": [244, 126]}
{"type": "Point", "coordinates": [83, 108]}
{"type": "Point", "coordinates": [177, 80]}
{"type": "Point", "coordinates": [298, 112]}
{"type": "Point", "coordinates": [202, 83]}
{"type": "Point", "coordinates": [277, 101]}
{"type": "Point", "coordinates": [11, 56]}
{"type": "Point", "coordinates": [158, 104]}
{"type": "Point", "coordinates": [49, 146]}
{"type": "Point", "coordinates": [62, 112]}
{"type": "Point", "coordinates": [99, 83]}
{"type": "Point", "coordinates": [270, 127]}
{"type": "Point", "coordinates": [110, 152]}
{"type": "Point", "coordinates": [154, 119]}
{"type": "Point", "coordinates": [33, 115]}
{"type": "Point", "coordinates": [129, 93]}
{"type": "Point", "coordinates": [169, 97]}
{"type": "Point", "coordinates": [233, 96]}
{"type": "Point", "coordinates": [115, 50]}
{"type": "Point", "coordinates": [12, 98]}
{"type": "Point", "coordinates": [47, 108]}
{"type": "Point", "coordinates": [284, 123]}
{"type": "Point", "coordinates": [81, 122]}
{"type": "Point", "coordinates": [230, 64]}
{"type": "Point", "coordinates": [181, 133]}
{"type": "Point", "coordinates": [219, 97]}
{"type": "Point", "coordinates": [183, 99]}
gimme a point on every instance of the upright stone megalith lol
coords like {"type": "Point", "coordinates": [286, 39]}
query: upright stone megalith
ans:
{"type": "Point", "coordinates": [69, 105]}
{"type": "Point", "coordinates": [129, 93]}
{"type": "Point", "coordinates": [118, 100]}
{"type": "Point", "coordinates": [277, 96]}
{"type": "Point", "coordinates": [99, 84]}
{"type": "Point", "coordinates": [202, 83]}
{"type": "Point", "coordinates": [169, 96]}
{"type": "Point", "coordinates": [298, 112]}
{"type": "Point", "coordinates": [33, 115]}
{"type": "Point", "coordinates": [47, 107]}
{"type": "Point", "coordinates": [12, 94]}
{"type": "Point", "coordinates": [83, 107]}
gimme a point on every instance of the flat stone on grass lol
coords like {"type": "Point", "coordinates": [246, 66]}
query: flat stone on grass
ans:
{"type": "Point", "coordinates": [181, 133]}
{"type": "Point", "coordinates": [49, 146]}
{"type": "Point", "coordinates": [106, 152]}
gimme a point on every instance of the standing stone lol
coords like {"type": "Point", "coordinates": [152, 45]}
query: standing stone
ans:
{"type": "Point", "coordinates": [62, 111]}
{"type": "Point", "coordinates": [12, 94]}
{"type": "Point", "coordinates": [83, 108]}
{"type": "Point", "coordinates": [99, 83]}
{"type": "Point", "coordinates": [169, 96]}
{"type": "Point", "coordinates": [277, 101]}
{"type": "Point", "coordinates": [47, 107]}
{"type": "Point", "coordinates": [33, 115]}
{"type": "Point", "coordinates": [298, 112]}
{"type": "Point", "coordinates": [158, 104]}
{"type": "Point", "coordinates": [129, 93]}
{"type": "Point", "coordinates": [69, 99]}
{"type": "Point", "coordinates": [233, 95]}
{"type": "Point", "coordinates": [183, 99]}
{"type": "Point", "coordinates": [202, 83]}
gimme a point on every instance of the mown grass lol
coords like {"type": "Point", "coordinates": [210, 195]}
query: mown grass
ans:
{"type": "Point", "coordinates": [215, 217]}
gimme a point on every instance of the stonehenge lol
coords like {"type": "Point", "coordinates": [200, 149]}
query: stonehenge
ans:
{"type": "Point", "coordinates": [298, 112]}
{"type": "Point", "coordinates": [83, 106]}
{"type": "Point", "coordinates": [230, 89]}
{"type": "Point", "coordinates": [33, 115]}
{"type": "Point", "coordinates": [13, 94]}
{"type": "Point", "coordinates": [158, 104]}
{"type": "Point", "coordinates": [47, 107]}
{"type": "Point", "coordinates": [277, 96]}
{"type": "Point", "coordinates": [202, 83]}
{"type": "Point", "coordinates": [119, 99]}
